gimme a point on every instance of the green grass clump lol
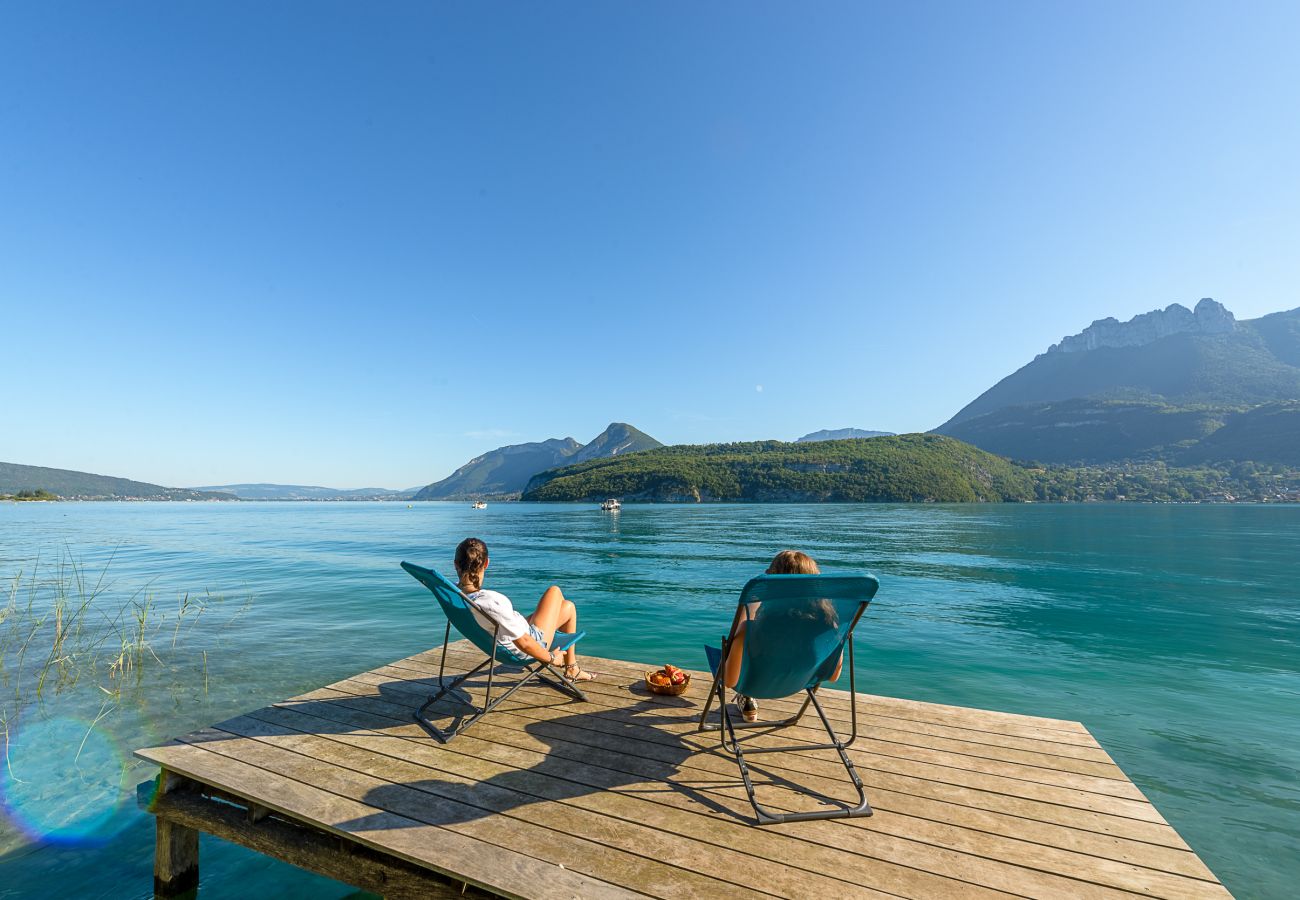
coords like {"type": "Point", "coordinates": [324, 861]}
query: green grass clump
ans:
{"type": "Point", "coordinates": [62, 630]}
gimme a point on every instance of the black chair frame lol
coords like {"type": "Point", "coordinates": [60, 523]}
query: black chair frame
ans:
{"type": "Point", "coordinates": [538, 670]}
{"type": "Point", "coordinates": [728, 727]}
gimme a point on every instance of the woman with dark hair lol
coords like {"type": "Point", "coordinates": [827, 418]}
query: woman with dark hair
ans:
{"type": "Point", "coordinates": [528, 638]}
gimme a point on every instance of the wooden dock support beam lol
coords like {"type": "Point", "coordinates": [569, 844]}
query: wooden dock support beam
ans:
{"type": "Point", "coordinates": [184, 808]}
{"type": "Point", "coordinates": [176, 854]}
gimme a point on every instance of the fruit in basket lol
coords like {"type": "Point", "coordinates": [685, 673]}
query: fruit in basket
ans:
{"type": "Point", "coordinates": [668, 680]}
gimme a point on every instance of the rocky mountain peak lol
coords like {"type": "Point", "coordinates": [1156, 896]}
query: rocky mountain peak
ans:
{"type": "Point", "coordinates": [1209, 317]}
{"type": "Point", "coordinates": [618, 438]}
{"type": "Point", "coordinates": [505, 471]}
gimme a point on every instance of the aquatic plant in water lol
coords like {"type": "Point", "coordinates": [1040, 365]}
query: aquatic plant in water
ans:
{"type": "Point", "coordinates": [80, 662]}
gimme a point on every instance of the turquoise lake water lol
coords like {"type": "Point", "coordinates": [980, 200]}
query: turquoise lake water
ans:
{"type": "Point", "coordinates": [1172, 632]}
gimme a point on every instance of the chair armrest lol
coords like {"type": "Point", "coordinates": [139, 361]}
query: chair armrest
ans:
{"type": "Point", "coordinates": [564, 639]}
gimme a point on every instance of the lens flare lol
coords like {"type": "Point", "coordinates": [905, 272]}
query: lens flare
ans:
{"type": "Point", "coordinates": [61, 781]}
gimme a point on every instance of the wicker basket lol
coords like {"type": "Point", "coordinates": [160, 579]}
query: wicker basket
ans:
{"type": "Point", "coordinates": [671, 690]}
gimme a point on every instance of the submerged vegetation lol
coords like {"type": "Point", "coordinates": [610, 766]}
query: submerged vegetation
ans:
{"type": "Point", "coordinates": [74, 649]}
{"type": "Point", "coordinates": [62, 628]}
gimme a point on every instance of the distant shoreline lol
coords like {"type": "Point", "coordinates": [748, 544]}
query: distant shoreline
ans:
{"type": "Point", "coordinates": [711, 502]}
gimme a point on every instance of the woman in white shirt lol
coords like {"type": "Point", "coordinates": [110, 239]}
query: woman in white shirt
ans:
{"type": "Point", "coordinates": [525, 639]}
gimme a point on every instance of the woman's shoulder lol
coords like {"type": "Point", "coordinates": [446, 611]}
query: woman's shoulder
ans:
{"type": "Point", "coordinates": [490, 597]}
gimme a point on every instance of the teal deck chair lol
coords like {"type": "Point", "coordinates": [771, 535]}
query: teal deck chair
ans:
{"type": "Point", "coordinates": [796, 631]}
{"type": "Point", "coordinates": [458, 609]}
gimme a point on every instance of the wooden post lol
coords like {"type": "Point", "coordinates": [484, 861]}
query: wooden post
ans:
{"type": "Point", "coordinates": [176, 854]}
{"type": "Point", "coordinates": [224, 815]}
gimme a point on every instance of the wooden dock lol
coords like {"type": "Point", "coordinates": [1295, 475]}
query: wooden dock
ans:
{"type": "Point", "coordinates": [621, 796]}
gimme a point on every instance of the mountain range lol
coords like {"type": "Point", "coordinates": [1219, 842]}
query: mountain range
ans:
{"type": "Point", "coordinates": [1160, 386]}
{"type": "Point", "coordinates": [305, 492]}
{"type": "Point", "coordinates": [71, 485]}
{"type": "Point", "coordinates": [1172, 387]}
{"type": "Point", "coordinates": [505, 471]}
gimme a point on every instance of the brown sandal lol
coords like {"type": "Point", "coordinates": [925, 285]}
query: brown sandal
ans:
{"type": "Point", "coordinates": [577, 673]}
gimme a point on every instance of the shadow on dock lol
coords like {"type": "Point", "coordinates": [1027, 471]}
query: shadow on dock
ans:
{"type": "Point", "coordinates": [529, 753]}
{"type": "Point", "coordinates": [573, 762]}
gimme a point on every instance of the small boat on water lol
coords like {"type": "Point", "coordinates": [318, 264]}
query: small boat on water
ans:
{"type": "Point", "coordinates": [479, 504]}
{"type": "Point", "coordinates": [611, 505]}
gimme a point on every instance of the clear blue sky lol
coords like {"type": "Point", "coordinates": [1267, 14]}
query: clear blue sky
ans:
{"type": "Point", "coordinates": [356, 244]}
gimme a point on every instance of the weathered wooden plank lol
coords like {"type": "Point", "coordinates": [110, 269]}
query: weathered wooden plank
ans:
{"type": "Point", "coordinates": [308, 848]}
{"type": "Point", "coordinates": [838, 699]}
{"type": "Point", "coordinates": [444, 851]}
{"type": "Point", "coordinates": [495, 833]}
{"type": "Point", "coordinates": [1087, 750]}
{"type": "Point", "coordinates": [978, 797]}
{"type": "Point", "coordinates": [638, 827]}
{"type": "Point", "coordinates": [540, 778]}
{"type": "Point", "coordinates": [614, 694]}
{"type": "Point", "coordinates": [623, 791]}
{"type": "Point", "coordinates": [1067, 790]}
{"type": "Point", "coordinates": [836, 702]}
{"type": "Point", "coordinates": [906, 713]}
{"type": "Point", "coordinates": [1052, 834]}
{"type": "Point", "coordinates": [909, 830]}
{"type": "Point", "coordinates": [1080, 745]}
{"type": "Point", "coordinates": [835, 783]}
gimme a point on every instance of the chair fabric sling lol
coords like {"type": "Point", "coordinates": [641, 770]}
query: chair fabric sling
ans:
{"type": "Point", "coordinates": [459, 610]}
{"type": "Point", "coordinates": [797, 629]}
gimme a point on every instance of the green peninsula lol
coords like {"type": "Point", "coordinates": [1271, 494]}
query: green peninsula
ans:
{"type": "Point", "coordinates": [30, 496]}
{"type": "Point", "coordinates": [908, 468]}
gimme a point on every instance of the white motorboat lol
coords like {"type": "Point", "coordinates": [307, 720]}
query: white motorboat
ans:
{"type": "Point", "coordinates": [611, 505]}
{"type": "Point", "coordinates": [479, 504]}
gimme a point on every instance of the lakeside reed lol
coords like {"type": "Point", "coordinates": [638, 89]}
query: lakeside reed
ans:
{"type": "Point", "coordinates": [68, 636]}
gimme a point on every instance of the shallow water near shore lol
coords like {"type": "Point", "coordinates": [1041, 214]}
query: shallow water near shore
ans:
{"type": "Point", "coordinates": [1171, 632]}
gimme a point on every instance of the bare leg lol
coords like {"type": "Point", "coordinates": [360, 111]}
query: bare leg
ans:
{"type": "Point", "coordinates": [554, 613]}
{"type": "Point", "coordinates": [731, 665]}
{"type": "Point", "coordinates": [839, 667]}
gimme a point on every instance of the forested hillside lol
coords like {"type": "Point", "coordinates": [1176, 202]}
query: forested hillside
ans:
{"type": "Point", "coordinates": [907, 468]}
{"type": "Point", "coordinates": [69, 484]}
